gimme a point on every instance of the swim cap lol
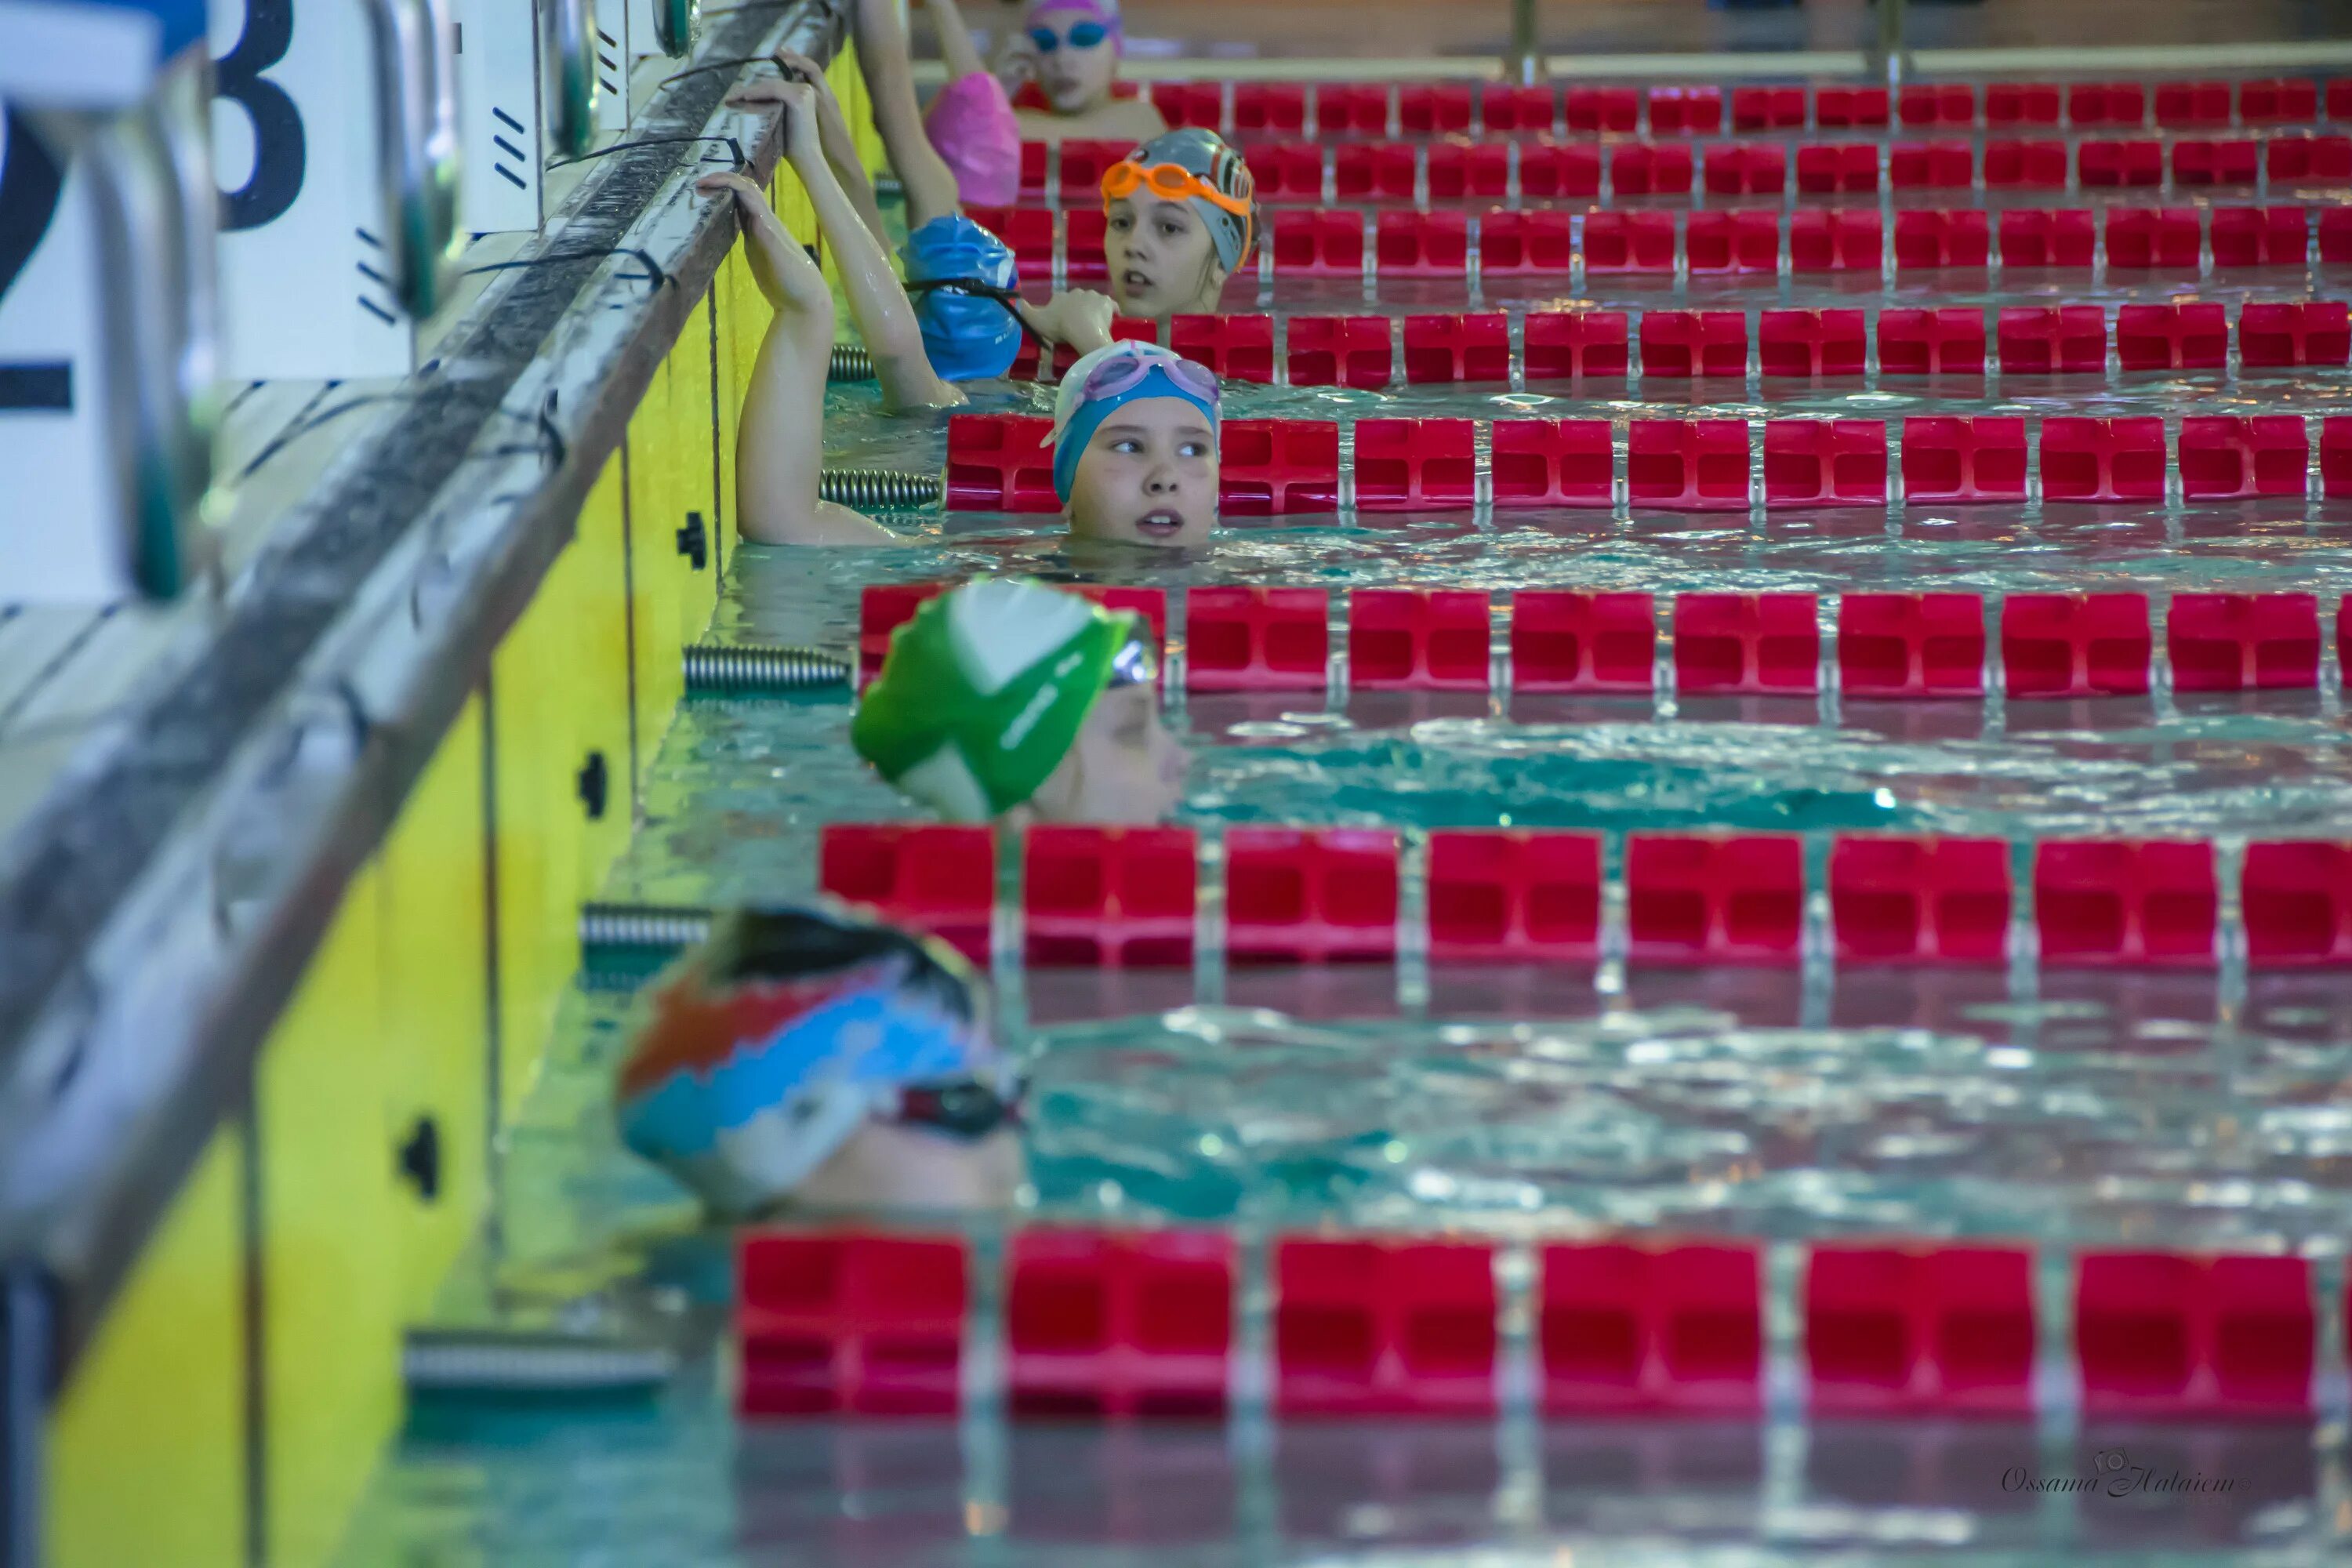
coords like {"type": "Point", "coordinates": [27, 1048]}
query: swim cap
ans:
{"type": "Point", "coordinates": [968, 337]}
{"type": "Point", "coordinates": [1103, 11]}
{"type": "Point", "coordinates": [1110, 378]}
{"type": "Point", "coordinates": [970, 125]}
{"type": "Point", "coordinates": [773, 1042]}
{"type": "Point", "coordinates": [1205, 155]}
{"type": "Point", "coordinates": [984, 692]}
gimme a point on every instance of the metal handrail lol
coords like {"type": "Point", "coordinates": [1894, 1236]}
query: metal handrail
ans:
{"type": "Point", "coordinates": [570, 44]}
{"type": "Point", "coordinates": [417, 170]}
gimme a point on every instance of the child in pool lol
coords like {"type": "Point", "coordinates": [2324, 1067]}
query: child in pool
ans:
{"type": "Point", "coordinates": [812, 1057]}
{"type": "Point", "coordinates": [1182, 217]}
{"type": "Point", "coordinates": [968, 324]}
{"type": "Point", "coordinates": [1135, 425]}
{"type": "Point", "coordinates": [1008, 699]}
{"type": "Point", "coordinates": [1070, 49]}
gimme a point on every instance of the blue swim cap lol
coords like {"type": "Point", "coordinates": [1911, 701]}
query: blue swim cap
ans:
{"type": "Point", "coordinates": [969, 337]}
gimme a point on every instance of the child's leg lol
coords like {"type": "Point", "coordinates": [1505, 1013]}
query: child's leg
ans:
{"type": "Point", "coordinates": [890, 83]}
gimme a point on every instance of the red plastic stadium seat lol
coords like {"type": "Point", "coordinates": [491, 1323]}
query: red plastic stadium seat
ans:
{"type": "Point", "coordinates": [1410, 465]}
{"type": "Point", "coordinates": [1562, 640]}
{"type": "Point", "coordinates": [1891, 1330]}
{"type": "Point", "coordinates": [1691, 465]}
{"type": "Point", "coordinates": [1825, 462]}
{"type": "Point", "coordinates": [2075, 645]}
{"type": "Point", "coordinates": [1684, 344]}
{"type": "Point", "coordinates": [1418, 639]}
{"type": "Point", "coordinates": [2243, 642]}
{"type": "Point", "coordinates": [1919, 901]}
{"type": "Point", "coordinates": [1552, 462]}
{"type": "Point", "coordinates": [1693, 900]}
{"type": "Point", "coordinates": [1326, 894]}
{"type": "Point", "coordinates": [940, 879]}
{"type": "Point", "coordinates": [2102, 459]}
{"type": "Point", "coordinates": [1256, 639]}
{"type": "Point", "coordinates": [1950, 341]}
{"type": "Point", "coordinates": [1118, 1323]}
{"type": "Point", "coordinates": [1678, 1328]}
{"type": "Point", "coordinates": [2297, 898]}
{"type": "Point", "coordinates": [1512, 896]}
{"type": "Point", "coordinates": [850, 1323]}
{"type": "Point", "coordinates": [1763, 644]}
{"type": "Point", "coordinates": [1911, 645]}
{"type": "Point", "coordinates": [1563, 345]}
{"type": "Point", "coordinates": [2233, 456]}
{"type": "Point", "coordinates": [2170, 1336]}
{"type": "Point", "coordinates": [1369, 1328]}
{"type": "Point", "coordinates": [1964, 459]}
{"type": "Point", "coordinates": [1107, 897]}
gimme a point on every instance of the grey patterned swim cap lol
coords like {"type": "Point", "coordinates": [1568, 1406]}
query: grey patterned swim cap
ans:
{"type": "Point", "coordinates": [1205, 155]}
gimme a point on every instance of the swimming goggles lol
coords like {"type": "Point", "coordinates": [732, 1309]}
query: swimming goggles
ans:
{"type": "Point", "coordinates": [968, 1109]}
{"type": "Point", "coordinates": [1120, 372]}
{"type": "Point", "coordinates": [1083, 36]}
{"type": "Point", "coordinates": [1174, 182]}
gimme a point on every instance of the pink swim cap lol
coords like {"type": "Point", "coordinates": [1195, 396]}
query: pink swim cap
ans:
{"type": "Point", "coordinates": [970, 122]}
{"type": "Point", "coordinates": [1103, 11]}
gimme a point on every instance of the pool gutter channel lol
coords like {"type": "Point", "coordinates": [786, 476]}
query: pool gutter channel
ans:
{"type": "Point", "coordinates": [156, 918]}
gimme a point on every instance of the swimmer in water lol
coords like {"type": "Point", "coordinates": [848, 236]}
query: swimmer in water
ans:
{"type": "Point", "coordinates": [809, 1057]}
{"type": "Point", "coordinates": [959, 317]}
{"type": "Point", "coordinates": [1008, 699]}
{"type": "Point", "coordinates": [1069, 50]}
{"type": "Point", "coordinates": [1181, 218]}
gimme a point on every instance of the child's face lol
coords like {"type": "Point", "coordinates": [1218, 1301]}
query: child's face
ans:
{"type": "Point", "coordinates": [1162, 260]}
{"type": "Point", "coordinates": [1149, 476]}
{"type": "Point", "coordinates": [1124, 768]}
{"type": "Point", "coordinates": [886, 1166]}
{"type": "Point", "coordinates": [1075, 76]}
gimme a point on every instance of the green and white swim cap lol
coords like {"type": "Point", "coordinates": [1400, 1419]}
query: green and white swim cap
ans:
{"type": "Point", "coordinates": [984, 693]}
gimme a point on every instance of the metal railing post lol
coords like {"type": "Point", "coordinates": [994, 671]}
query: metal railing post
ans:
{"type": "Point", "coordinates": [1891, 55]}
{"type": "Point", "coordinates": [1524, 63]}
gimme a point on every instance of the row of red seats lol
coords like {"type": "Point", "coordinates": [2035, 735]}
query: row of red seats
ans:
{"type": "Point", "coordinates": [1454, 171]}
{"type": "Point", "coordinates": [1003, 463]}
{"type": "Point", "coordinates": [1126, 896]}
{"type": "Point", "coordinates": [1141, 1324]}
{"type": "Point", "coordinates": [1885, 646]}
{"type": "Point", "coordinates": [1457, 171]}
{"type": "Point", "coordinates": [1536, 243]}
{"type": "Point", "coordinates": [1375, 109]}
{"type": "Point", "coordinates": [1830, 344]}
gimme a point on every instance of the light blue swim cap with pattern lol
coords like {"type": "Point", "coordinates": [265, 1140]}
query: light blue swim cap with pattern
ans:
{"type": "Point", "coordinates": [969, 337]}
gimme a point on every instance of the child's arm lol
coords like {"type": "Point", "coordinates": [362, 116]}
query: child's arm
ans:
{"type": "Point", "coordinates": [840, 145]}
{"type": "Point", "coordinates": [1079, 316]}
{"type": "Point", "coordinates": [955, 40]}
{"type": "Point", "coordinates": [890, 83]}
{"type": "Point", "coordinates": [780, 449]}
{"type": "Point", "coordinates": [876, 299]}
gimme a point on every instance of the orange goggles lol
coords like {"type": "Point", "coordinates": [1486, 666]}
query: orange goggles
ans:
{"type": "Point", "coordinates": [1172, 182]}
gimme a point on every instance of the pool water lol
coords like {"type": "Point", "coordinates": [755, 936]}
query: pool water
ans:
{"type": "Point", "coordinates": [2176, 1109]}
